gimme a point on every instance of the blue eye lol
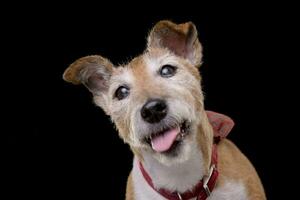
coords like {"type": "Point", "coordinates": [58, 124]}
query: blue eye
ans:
{"type": "Point", "coordinates": [122, 92]}
{"type": "Point", "coordinates": [167, 71]}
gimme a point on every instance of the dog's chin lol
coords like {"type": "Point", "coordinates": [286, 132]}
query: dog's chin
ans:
{"type": "Point", "coordinates": [180, 155]}
{"type": "Point", "coordinates": [175, 150]}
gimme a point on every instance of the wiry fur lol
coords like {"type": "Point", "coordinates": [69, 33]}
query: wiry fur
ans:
{"type": "Point", "coordinates": [176, 45]}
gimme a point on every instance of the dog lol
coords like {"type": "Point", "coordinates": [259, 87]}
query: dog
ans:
{"type": "Point", "coordinates": [157, 105]}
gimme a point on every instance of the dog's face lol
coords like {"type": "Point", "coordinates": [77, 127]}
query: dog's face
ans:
{"type": "Point", "coordinates": [155, 99]}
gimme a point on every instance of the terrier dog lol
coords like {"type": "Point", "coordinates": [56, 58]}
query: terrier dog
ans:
{"type": "Point", "coordinates": [156, 103]}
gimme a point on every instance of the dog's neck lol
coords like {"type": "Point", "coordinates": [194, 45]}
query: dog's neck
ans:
{"type": "Point", "coordinates": [179, 177]}
{"type": "Point", "coordinates": [182, 176]}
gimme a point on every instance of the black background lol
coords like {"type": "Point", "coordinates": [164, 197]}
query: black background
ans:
{"type": "Point", "coordinates": [60, 144]}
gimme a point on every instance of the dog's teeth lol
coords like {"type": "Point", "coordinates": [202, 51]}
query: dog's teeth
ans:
{"type": "Point", "coordinates": [180, 136]}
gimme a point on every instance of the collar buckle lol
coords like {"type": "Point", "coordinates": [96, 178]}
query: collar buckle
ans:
{"type": "Point", "coordinates": [206, 180]}
{"type": "Point", "coordinates": [179, 196]}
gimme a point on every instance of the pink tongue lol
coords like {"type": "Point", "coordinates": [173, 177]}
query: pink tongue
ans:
{"type": "Point", "coordinates": [164, 141]}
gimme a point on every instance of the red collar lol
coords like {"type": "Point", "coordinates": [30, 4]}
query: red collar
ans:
{"type": "Point", "coordinates": [202, 190]}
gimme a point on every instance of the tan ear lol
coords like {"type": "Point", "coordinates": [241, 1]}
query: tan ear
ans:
{"type": "Point", "coordinates": [92, 71]}
{"type": "Point", "coordinates": [181, 39]}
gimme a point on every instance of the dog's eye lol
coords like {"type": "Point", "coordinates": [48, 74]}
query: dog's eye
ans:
{"type": "Point", "coordinates": [167, 71]}
{"type": "Point", "coordinates": [122, 92]}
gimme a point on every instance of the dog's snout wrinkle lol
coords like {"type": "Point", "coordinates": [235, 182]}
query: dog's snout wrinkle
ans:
{"type": "Point", "coordinates": [154, 111]}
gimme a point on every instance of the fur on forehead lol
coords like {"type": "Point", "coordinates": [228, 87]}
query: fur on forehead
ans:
{"type": "Point", "coordinates": [156, 57]}
{"type": "Point", "coordinates": [165, 39]}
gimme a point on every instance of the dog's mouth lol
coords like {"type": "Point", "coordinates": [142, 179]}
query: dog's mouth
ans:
{"type": "Point", "coordinates": [168, 139]}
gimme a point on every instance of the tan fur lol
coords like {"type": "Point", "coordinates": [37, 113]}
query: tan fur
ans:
{"type": "Point", "coordinates": [175, 35]}
{"type": "Point", "coordinates": [71, 74]}
{"type": "Point", "coordinates": [129, 188]}
{"type": "Point", "coordinates": [232, 164]}
{"type": "Point", "coordinates": [143, 81]}
{"type": "Point", "coordinates": [178, 43]}
{"type": "Point", "coordinates": [205, 140]}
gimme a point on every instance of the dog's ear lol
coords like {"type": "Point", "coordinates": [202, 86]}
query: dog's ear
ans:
{"type": "Point", "coordinates": [92, 71]}
{"type": "Point", "coordinates": [181, 39]}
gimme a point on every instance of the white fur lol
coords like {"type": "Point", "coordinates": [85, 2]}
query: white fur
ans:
{"type": "Point", "coordinates": [180, 177]}
{"type": "Point", "coordinates": [231, 190]}
{"type": "Point", "coordinates": [155, 63]}
{"type": "Point", "coordinates": [142, 191]}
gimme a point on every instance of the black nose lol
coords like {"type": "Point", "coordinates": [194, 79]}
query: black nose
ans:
{"type": "Point", "coordinates": [154, 111]}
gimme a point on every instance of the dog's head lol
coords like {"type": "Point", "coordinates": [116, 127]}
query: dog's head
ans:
{"type": "Point", "coordinates": [156, 99]}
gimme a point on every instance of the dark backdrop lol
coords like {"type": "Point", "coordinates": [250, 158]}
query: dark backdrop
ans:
{"type": "Point", "coordinates": [60, 144]}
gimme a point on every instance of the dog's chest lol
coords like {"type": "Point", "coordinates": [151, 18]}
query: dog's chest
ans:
{"type": "Point", "coordinates": [231, 190]}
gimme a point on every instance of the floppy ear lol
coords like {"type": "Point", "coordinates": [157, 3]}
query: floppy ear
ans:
{"type": "Point", "coordinates": [92, 71]}
{"type": "Point", "coordinates": [181, 39]}
{"type": "Point", "coordinates": [221, 124]}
